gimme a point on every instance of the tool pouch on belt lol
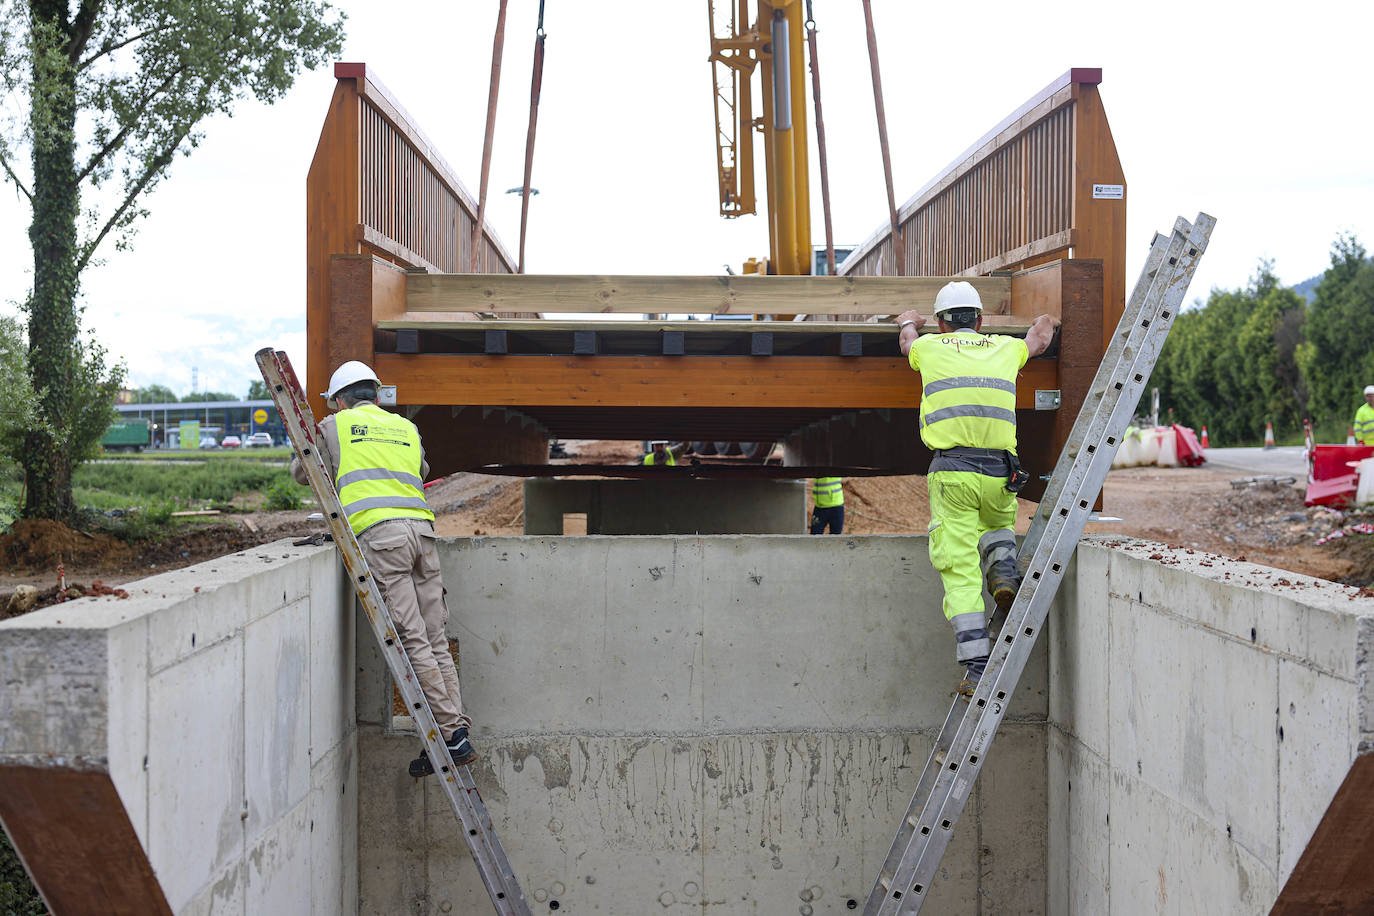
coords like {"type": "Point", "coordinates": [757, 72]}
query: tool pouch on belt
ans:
{"type": "Point", "coordinates": [1017, 476]}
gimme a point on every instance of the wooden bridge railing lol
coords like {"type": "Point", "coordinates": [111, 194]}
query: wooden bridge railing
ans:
{"type": "Point", "coordinates": [378, 187]}
{"type": "Point", "coordinates": [1044, 184]}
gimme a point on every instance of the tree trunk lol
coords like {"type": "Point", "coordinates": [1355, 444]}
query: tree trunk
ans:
{"type": "Point", "coordinates": [52, 310]}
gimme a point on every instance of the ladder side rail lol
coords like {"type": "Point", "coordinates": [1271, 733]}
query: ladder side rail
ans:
{"type": "Point", "coordinates": [1048, 564]}
{"type": "Point", "coordinates": [1129, 323]}
{"type": "Point", "coordinates": [495, 871]}
{"type": "Point", "coordinates": [922, 857]}
{"type": "Point", "coordinates": [1102, 381]}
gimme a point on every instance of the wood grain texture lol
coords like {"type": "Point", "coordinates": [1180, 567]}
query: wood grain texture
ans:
{"type": "Point", "coordinates": [727, 295]}
{"type": "Point", "coordinates": [647, 381]}
{"type": "Point", "coordinates": [75, 838]}
{"type": "Point", "coordinates": [331, 218]}
{"type": "Point", "coordinates": [1101, 223]}
{"type": "Point", "coordinates": [1334, 875]}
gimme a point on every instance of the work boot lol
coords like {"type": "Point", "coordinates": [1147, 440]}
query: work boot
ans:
{"type": "Point", "coordinates": [459, 748]}
{"type": "Point", "coordinates": [997, 556]}
{"type": "Point", "coordinates": [1003, 580]}
{"type": "Point", "coordinates": [973, 673]}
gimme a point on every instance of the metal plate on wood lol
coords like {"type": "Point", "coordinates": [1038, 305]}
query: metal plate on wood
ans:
{"type": "Point", "coordinates": [1047, 400]}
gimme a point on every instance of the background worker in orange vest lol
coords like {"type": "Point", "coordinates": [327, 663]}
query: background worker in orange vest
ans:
{"type": "Point", "coordinates": [968, 418]}
{"type": "Point", "coordinates": [379, 468]}
{"type": "Point", "coordinates": [829, 510]}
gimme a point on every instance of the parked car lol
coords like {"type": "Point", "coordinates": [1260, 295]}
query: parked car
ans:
{"type": "Point", "coordinates": [208, 442]}
{"type": "Point", "coordinates": [253, 441]}
{"type": "Point", "coordinates": [230, 442]}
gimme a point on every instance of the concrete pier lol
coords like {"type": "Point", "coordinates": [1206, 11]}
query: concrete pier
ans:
{"type": "Point", "coordinates": [672, 723]}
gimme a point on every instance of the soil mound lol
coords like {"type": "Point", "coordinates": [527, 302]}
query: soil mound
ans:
{"type": "Point", "coordinates": [38, 544]}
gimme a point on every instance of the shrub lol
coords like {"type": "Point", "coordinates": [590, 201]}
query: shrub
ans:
{"type": "Point", "coordinates": [283, 496]}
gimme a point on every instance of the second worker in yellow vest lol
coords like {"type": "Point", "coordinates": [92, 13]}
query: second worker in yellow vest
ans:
{"type": "Point", "coordinates": [968, 418]}
{"type": "Point", "coordinates": [829, 510]}
{"type": "Point", "coordinates": [1364, 418]}
{"type": "Point", "coordinates": [379, 466]}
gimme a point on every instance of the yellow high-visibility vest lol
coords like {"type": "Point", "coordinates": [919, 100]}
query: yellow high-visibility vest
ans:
{"type": "Point", "coordinates": [968, 388]}
{"type": "Point", "coordinates": [379, 467]}
{"type": "Point", "coordinates": [671, 462]}
{"type": "Point", "coordinates": [1364, 425]}
{"type": "Point", "coordinates": [829, 492]}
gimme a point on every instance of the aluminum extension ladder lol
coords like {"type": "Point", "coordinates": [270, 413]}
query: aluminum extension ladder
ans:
{"type": "Point", "coordinates": [457, 782]}
{"type": "Point", "coordinates": [963, 742]}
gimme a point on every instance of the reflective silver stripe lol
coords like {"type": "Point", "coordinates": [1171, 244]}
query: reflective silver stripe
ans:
{"type": "Point", "coordinates": [974, 620]}
{"type": "Point", "coordinates": [968, 381]}
{"type": "Point", "coordinates": [379, 474]}
{"type": "Point", "coordinates": [385, 502]}
{"type": "Point", "coordinates": [970, 410]}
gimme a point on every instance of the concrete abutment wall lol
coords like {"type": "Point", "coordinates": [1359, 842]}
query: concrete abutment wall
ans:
{"type": "Point", "coordinates": [678, 722]}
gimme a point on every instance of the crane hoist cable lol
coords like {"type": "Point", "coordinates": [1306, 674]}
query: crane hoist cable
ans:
{"type": "Point", "coordinates": [820, 139]}
{"type": "Point", "coordinates": [536, 82]}
{"type": "Point", "coordinates": [498, 44]}
{"type": "Point", "coordinates": [898, 247]}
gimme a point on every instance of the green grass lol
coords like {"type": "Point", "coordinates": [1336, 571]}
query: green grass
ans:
{"type": "Point", "coordinates": [275, 453]}
{"type": "Point", "coordinates": [149, 491]}
{"type": "Point", "coordinates": [120, 484]}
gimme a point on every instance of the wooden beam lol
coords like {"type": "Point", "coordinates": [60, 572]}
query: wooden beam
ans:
{"type": "Point", "coordinates": [74, 835]}
{"type": "Point", "coordinates": [678, 381]}
{"type": "Point", "coordinates": [1334, 875]}
{"type": "Point", "coordinates": [1016, 325]}
{"type": "Point", "coordinates": [728, 295]}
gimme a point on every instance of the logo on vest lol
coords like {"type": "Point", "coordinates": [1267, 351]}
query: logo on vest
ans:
{"type": "Point", "coordinates": [358, 429]}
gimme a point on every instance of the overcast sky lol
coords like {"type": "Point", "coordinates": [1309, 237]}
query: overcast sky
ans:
{"type": "Point", "coordinates": [1257, 115]}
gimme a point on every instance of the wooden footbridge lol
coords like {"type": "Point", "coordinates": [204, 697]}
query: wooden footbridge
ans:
{"type": "Point", "coordinates": [389, 232]}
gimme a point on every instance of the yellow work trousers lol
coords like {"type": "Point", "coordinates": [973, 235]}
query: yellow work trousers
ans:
{"type": "Point", "coordinates": [965, 506]}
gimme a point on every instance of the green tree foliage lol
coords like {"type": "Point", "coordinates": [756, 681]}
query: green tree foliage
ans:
{"type": "Point", "coordinates": [155, 394]}
{"type": "Point", "coordinates": [1337, 358]}
{"type": "Point", "coordinates": [19, 407]}
{"type": "Point", "coordinates": [258, 391]}
{"type": "Point", "coordinates": [1232, 365]}
{"type": "Point", "coordinates": [210, 396]}
{"type": "Point", "coordinates": [113, 93]}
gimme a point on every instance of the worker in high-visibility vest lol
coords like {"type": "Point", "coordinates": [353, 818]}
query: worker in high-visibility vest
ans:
{"type": "Point", "coordinates": [378, 465]}
{"type": "Point", "coordinates": [968, 418]}
{"type": "Point", "coordinates": [1364, 418]}
{"type": "Point", "coordinates": [659, 454]}
{"type": "Point", "coordinates": [829, 509]}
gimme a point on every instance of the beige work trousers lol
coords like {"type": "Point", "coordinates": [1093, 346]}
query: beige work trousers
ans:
{"type": "Point", "coordinates": [404, 561]}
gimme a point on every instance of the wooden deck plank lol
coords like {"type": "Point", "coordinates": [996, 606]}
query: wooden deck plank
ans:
{"type": "Point", "coordinates": [727, 295]}
{"type": "Point", "coordinates": [678, 381]}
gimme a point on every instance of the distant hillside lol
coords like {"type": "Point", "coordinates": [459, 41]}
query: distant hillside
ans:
{"type": "Point", "coordinates": [1308, 288]}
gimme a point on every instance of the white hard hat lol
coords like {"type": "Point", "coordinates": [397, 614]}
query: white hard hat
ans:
{"type": "Point", "coordinates": [350, 373]}
{"type": "Point", "coordinates": [1369, 389]}
{"type": "Point", "coordinates": [659, 442]}
{"type": "Point", "coordinates": [957, 294]}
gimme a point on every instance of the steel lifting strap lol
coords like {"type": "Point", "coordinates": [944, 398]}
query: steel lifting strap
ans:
{"type": "Point", "coordinates": [536, 84]}
{"type": "Point", "coordinates": [962, 746]}
{"type": "Point", "coordinates": [456, 782]}
{"type": "Point", "coordinates": [820, 139]}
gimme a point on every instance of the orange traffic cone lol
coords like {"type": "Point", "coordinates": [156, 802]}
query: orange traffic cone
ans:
{"type": "Point", "coordinates": [1350, 435]}
{"type": "Point", "coordinates": [1204, 438]}
{"type": "Point", "coordinates": [1269, 435]}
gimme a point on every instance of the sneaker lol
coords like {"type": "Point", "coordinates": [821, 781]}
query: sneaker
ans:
{"type": "Point", "coordinates": [459, 748]}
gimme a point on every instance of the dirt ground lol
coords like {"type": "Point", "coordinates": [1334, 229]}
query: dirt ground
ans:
{"type": "Point", "coordinates": [1189, 507]}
